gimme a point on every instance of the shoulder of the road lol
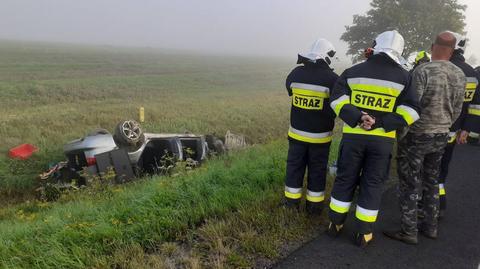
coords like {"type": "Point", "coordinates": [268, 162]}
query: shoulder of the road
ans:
{"type": "Point", "coordinates": [458, 245]}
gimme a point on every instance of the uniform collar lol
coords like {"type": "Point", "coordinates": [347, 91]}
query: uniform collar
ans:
{"type": "Point", "coordinates": [381, 57]}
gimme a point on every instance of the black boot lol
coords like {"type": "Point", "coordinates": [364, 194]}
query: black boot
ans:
{"type": "Point", "coordinates": [334, 230]}
{"type": "Point", "coordinates": [401, 236]}
{"type": "Point", "coordinates": [363, 240]}
{"type": "Point", "coordinates": [292, 204]}
{"type": "Point", "coordinates": [314, 209]}
{"type": "Point", "coordinates": [428, 232]}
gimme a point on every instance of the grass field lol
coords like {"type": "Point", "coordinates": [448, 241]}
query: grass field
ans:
{"type": "Point", "coordinates": [226, 214]}
{"type": "Point", "coordinates": [50, 94]}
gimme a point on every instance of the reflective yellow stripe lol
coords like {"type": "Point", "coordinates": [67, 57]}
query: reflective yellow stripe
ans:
{"type": "Point", "coordinates": [441, 188]}
{"type": "Point", "coordinates": [471, 85]}
{"type": "Point", "coordinates": [312, 87]}
{"type": "Point", "coordinates": [377, 132]}
{"type": "Point", "coordinates": [315, 138]}
{"type": "Point", "coordinates": [315, 197]}
{"type": "Point", "coordinates": [338, 209]}
{"type": "Point", "coordinates": [339, 206]}
{"type": "Point", "coordinates": [311, 93]}
{"type": "Point", "coordinates": [366, 214]}
{"type": "Point", "coordinates": [365, 218]}
{"type": "Point", "coordinates": [409, 114]}
{"type": "Point", "coordinates": [375, 89]}
{"type": "Point", "coordinates": [405, 115]}
{"type": "Point", "coordinates": [293, 195]}
{"type": "Point", "coordinates": [474, 111]}
{"type": "Point", "coordinates": [338, 104]}
{"type": "Point", "coordinates": [376, 86]}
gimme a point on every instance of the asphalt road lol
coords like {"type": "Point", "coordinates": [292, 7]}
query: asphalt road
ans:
{"type": "Point", "coordinates": [458, 245]}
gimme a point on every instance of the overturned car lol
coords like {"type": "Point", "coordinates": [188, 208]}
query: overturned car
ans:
{"type": "Point", "coordinates": [130, 153]}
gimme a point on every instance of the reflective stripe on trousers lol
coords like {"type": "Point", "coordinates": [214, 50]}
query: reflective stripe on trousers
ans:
{"type": "Point", "coordinates": [441, 188]}
{"type": "Point", "coordinates": [366, 215]}
{"type": "Point", "coordinates": [315, 197]}
{"type": "Point", "coordinates": [339, 206]}
{"type": "Point", "coordinates": [293, 193]}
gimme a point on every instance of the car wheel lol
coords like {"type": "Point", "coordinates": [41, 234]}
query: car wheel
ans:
{"type": "Point", "coordinates": [128, 133]}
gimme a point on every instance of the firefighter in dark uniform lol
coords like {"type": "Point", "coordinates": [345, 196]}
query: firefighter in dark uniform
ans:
{"type": "Point", "coordinates": [422, 57]}
{"type": "Point", "coordinates": [469, 120]}
{"type": "Point", "coordinates": [374, 99]}
{"type": "Point", "coordinates": [311, 126]}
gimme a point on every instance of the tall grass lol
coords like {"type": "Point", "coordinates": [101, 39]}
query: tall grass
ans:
{"type": "Point", "coordinates": [85, 232]}
{"type": "Point", "coordinates": [50, 94]}
{"type": "Point", "coordinates": [226, 214]}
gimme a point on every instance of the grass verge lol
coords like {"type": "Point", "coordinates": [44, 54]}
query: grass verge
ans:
{"type": "Point", "coordinates": [222, 215]}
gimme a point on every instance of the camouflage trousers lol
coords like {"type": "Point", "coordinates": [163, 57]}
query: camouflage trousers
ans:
{"type": "Point", "coordinates": [418, 162]}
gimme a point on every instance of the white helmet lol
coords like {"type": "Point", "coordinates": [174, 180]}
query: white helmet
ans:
{"type": "Point", "coordinates": [461, 43]}
{"type": "Point", "coordinates": [390, 43]}
{"type": "Point", "coordinates": [322, 49]}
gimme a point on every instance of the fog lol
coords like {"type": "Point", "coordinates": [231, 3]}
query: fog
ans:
{"type": "Point", "coordinates": [279, 28]}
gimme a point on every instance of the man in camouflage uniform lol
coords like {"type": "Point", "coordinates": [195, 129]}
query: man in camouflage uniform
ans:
{"type": "Point", "coordinates": [440, 86]}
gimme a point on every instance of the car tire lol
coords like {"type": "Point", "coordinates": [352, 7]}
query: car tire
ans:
{"type": "Point", "coordinates": [128, 133]}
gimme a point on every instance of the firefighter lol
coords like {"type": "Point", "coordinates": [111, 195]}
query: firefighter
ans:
{"type": "Point", "coordinates": [311, 126]}
{"type": "Point", "coordinates": [469, 120]}
{"type": "Point", "coordinates": [374, 100]}
{"type": "Point", "coordinates": [422, 57]}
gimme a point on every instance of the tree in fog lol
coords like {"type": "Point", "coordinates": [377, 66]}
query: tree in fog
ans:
{"type": "Point", "coordinates": [418, 21]}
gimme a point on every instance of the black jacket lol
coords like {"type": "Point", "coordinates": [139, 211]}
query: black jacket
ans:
{"type": "Point", "coordinates": [469, 119]}
{"type": "Point", "coordinates": [379, 87]}
{"type": "Point", "coordinates": [309, 85]}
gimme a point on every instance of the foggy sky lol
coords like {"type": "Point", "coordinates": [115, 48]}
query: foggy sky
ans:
{"type": "Point", "coordinates": [260, 27]}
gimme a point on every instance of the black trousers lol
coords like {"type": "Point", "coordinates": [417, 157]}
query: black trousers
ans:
{"type": "Point", "coordinates": [303, 156]}
{"type": "Point", "coordinates": [446, 158]}
{"type": "Point", "coordinates": [362, 163]}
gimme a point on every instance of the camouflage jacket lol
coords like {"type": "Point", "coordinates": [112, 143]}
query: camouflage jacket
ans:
{"type": "Point", "coordinates": [440, 86]}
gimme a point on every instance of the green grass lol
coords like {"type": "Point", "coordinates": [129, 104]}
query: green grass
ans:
{"type": "Point", "coordinates": [224, 215]}
{"type": "Point", "coordinates": [227, 212]}
{"type": "Point", "coordinates": [50, 94]}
